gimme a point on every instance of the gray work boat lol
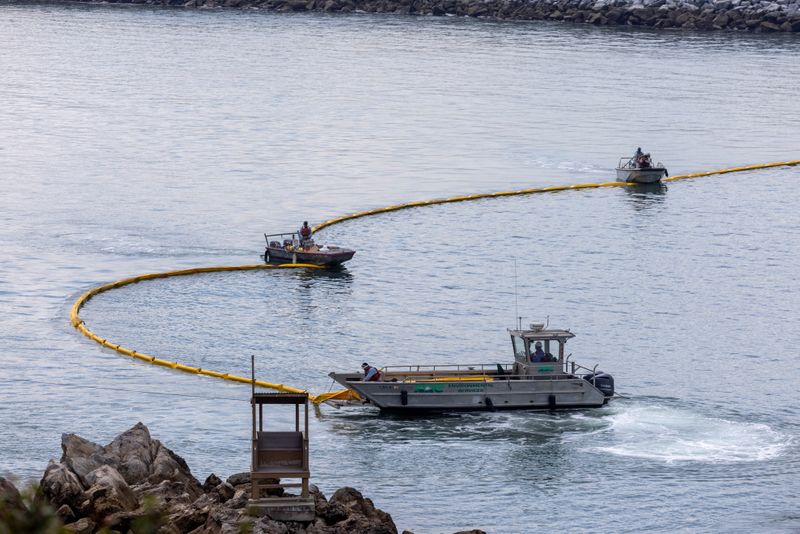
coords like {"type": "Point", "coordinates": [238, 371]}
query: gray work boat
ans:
{"type": "Point", "coordinates": [629, 170]}
{"type": "Point", "coordinates": [290, 248]}
{"type": "Point", "coordinates": [556, 383]}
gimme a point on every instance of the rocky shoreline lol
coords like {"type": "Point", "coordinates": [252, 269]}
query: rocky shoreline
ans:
{"type": "Point", "coordinates": [135, 484]}
{"type": "Point", "coordinates": [758, 16]}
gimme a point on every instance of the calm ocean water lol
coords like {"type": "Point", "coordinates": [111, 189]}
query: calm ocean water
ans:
{"type": "Point", "coordinates": [135, 140]}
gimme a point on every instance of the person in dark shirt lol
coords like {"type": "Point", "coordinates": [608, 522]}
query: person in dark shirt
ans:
{"type": "Point", "coordinates": [305, 233]}
{"type": "Point", "coordinates": [538, 355]}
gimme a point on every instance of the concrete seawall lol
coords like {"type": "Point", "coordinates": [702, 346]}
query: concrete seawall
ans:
{"type": "Point", "coordinates": [732, 15]}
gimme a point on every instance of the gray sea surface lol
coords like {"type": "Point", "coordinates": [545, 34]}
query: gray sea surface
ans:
{"type": "Point", "coordinates": [138, 140]}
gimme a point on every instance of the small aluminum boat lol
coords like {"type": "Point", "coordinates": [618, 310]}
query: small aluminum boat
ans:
{"type": "Point", "coordinates": [289, 248]}
{"type": "Point", "coordinates": [640, 170]}
{"type": "Point", "coordinates": [537, 379]}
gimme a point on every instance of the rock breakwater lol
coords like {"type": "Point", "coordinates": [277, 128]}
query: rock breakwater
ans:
{"type": "Point", "coordinates": [738, 15]}
{"type": "Point", "coordinates": [136, 484]}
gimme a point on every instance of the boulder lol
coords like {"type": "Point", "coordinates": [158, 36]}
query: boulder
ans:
{"type": "Point", "coordinates": [225, 520]}
{"type": "Point", "coordinates": [108, 494]}
{"type": "Point", "coordinates": [134, 454]}
{"type": "Point", "coordinates": [65, 514]}
{"type": "Point", "coordinates": [165, 494]}
{"type": "Point", "coordinates": [223, 492]}
{"type": "Point", "coordinates": [81, 526]}
{"type": "Point", "coordinates": [169, 466]}
{"type": "Point", "coordinates": [720, 21]}
{"type": "Point", "coordinates": [362, 514]}
{"type": "Point", "coordinates": [188, 518]}
{"type": "Point", "coordinates": [81, 456]}
{"type": "Point", "coordinates": [134, 521]}
{"type": "Point", "coordinates": [769, 27]}
{"type": "Point", "coordinates": [477, 10]}
{"type": "Point", "coordinates": [266, 525]}
{"type": "Point", "coordinates": [9, 495]}
{"type": "Point", "coordinates": [61, 486]}
{"type": "Point", "coordinates": [212, 481]}
{"type": "Point", "coordinates": [239, 479]}
{"type": "Point", "coordinates": [330, 513]}
{"type": "Point", "coordinates": [617, 15]}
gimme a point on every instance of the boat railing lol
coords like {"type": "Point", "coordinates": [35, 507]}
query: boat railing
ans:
{"type": "Point", "coordinates": [476, 368]}
{"type": "Point", "coordinates": [292, 236]}
{"type": "Point", "coordinates": [580, 370]}
{"type": "Point", "coordinates": [483, 371]}
{"type": "Point", "coordinates": [482, 377]}
{"type": "Point", "coordinates": [630, 163]}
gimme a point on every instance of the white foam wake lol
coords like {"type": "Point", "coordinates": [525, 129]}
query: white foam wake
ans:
{"type": "Point", "coordinates": [675, 435]}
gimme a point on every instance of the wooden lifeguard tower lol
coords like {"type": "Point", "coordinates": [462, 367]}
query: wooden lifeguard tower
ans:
{"type": "Point", "coordinates": [280, 455]}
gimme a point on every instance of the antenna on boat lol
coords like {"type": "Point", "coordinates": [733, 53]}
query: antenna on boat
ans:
{"type": "Point", "coordinates": [516, 300]}
{"type": "Point", "coordinates": [548, 323]}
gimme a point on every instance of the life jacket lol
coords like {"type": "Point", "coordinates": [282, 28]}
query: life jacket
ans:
{"type": "Point", "coordinates": [377, 376]}
{"type": "Point", "coordinates": [305, 231]}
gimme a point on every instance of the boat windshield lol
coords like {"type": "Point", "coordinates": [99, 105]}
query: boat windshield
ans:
{"type": "Point", "coordinates": [520, 354]}
{"type": "Point", "coordinates": [546, 350]}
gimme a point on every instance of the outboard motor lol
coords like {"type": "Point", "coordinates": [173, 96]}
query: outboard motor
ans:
{"type": "Point", "coordinates": [602, 381]}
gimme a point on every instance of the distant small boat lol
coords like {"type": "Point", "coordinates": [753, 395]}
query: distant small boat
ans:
{"type": "Point", "coordinates": [640, 170]}
{"type": "Point", "coordinates": [289, 248]}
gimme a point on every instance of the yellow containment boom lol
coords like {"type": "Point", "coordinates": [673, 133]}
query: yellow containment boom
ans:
{"type": "Point", "coordinates": [535, 190]}
{"type": "Point", "coordinates": [344, 394]}
{"type": "Point", "coordinates": [341, 395]}
{"type": "Point", "coordinates": [78, 323]}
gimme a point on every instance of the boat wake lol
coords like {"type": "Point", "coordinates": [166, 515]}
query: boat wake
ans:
{"type": "Point", "coordinates": [671, 434]}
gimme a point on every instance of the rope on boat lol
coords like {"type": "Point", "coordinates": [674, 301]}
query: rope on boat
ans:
{"type": "Point", "coordinates": [78, 323]}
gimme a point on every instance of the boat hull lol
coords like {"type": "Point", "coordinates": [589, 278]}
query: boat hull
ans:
{"type": "Point", "coordinates": [641, 176]}
{"type": "Point", "coordinates": [567, 392]}
{"type": "Point", "coordinates": [329, 257]}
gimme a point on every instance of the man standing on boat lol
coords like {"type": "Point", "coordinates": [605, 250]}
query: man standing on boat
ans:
{"type": "Point", "coordinates": [305, 233]}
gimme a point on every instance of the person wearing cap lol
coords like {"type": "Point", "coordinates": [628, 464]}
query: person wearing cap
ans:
{"type": "Point", "coordinates": [538, 355]}
{"type": "Point", "coordinates": [370, 373]}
